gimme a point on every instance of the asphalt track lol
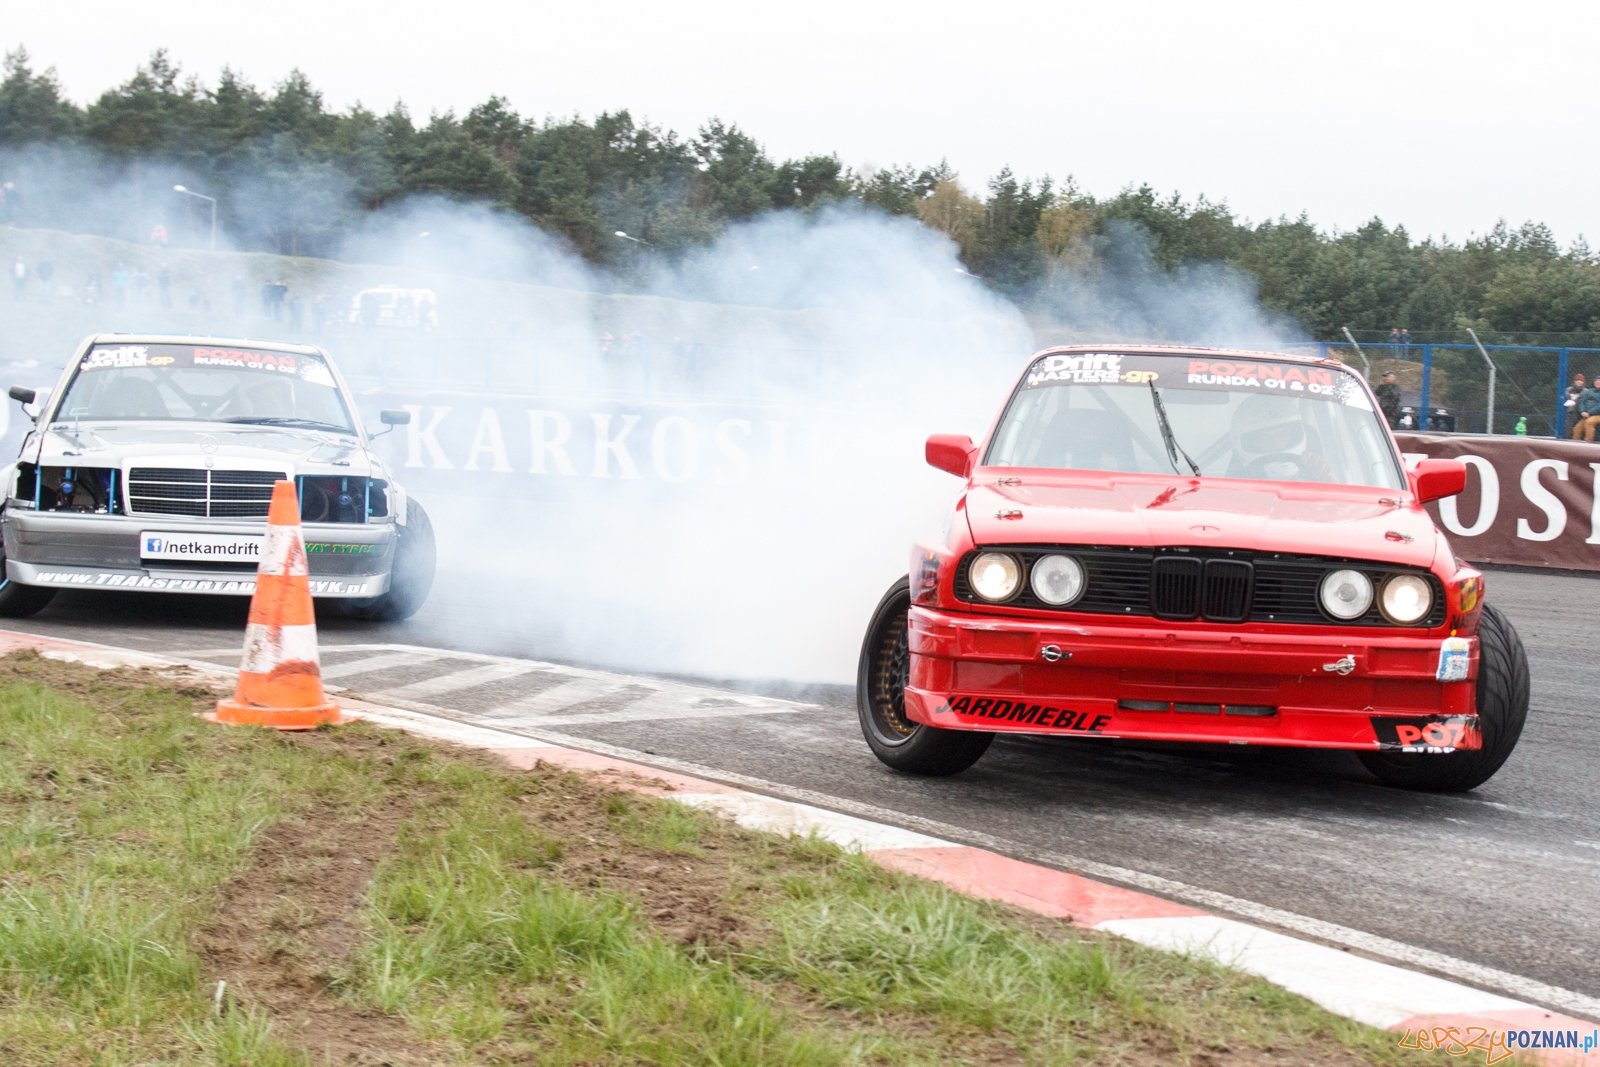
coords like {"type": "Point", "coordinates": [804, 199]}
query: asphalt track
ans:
{"type": "Point", "coordinates": [1506, 877]}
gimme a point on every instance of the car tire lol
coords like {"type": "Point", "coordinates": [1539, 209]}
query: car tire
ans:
{"type": "Point", "coordinates": [1502, 710]}
{"type": "Point", "coordinates": [881, 680]}
{"type": "Point", "coordinates": [19, 601]}
{"type": "Point", "coordinates": [411, 577]}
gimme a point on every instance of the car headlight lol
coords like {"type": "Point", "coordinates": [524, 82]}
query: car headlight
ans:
{"type": "Point", "coordinates": [1057, 580]}
{"type": "Point", "coordinates": [995, 576]}
{"type": "Point", "coordinates": [1406, 599]}
{"type": "Point", "coordinates": [1346, 594]}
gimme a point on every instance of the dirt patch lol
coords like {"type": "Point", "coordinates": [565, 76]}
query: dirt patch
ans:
{"type": "Point", "coordinates": [286, 927]}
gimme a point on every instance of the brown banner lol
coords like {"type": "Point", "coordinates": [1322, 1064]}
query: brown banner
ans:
{"type": "Point", "coordinates": [1529, 500]}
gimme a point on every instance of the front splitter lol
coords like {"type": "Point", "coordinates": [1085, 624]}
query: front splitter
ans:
{"type": "Point", "coordinates": [205, 584]}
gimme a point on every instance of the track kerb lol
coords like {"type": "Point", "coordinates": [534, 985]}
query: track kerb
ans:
{"type": "Point", "coordinates": [280, 676]}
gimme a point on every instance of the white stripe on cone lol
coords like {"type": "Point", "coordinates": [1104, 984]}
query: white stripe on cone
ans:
{"type": "Point", "coordinates": [282, 552]}
{"type": "Point", "coordinates": [268, 647]}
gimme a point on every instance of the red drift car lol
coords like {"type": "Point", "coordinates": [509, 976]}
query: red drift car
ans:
{"type": "Point", "coordinates": [1176, 544]}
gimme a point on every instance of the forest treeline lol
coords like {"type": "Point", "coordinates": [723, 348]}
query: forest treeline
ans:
{"type": "Point", "coordinates": [291, 176]}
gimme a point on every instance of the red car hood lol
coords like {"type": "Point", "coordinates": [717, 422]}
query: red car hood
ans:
{"type": "Point", "coordinates": [1097, 508]}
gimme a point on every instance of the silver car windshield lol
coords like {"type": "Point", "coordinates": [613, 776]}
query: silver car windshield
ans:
{"type": "Point", "coordinates": [200, 383]}
{"type": "Point", "coordinates": [1276, 421]}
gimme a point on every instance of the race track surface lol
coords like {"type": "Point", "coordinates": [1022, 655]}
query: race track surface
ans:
{"type": "Point", "coordinates": [1507, 876]}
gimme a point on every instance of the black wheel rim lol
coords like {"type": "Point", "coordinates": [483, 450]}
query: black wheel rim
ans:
{"type": "Point", "coordinates": [886, 684]}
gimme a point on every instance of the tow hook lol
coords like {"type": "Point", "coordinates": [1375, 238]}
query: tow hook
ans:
{"type": "Point", "coordinates": [1053, 653]}
{"type": "Point", "coordinates": [1341, 666]}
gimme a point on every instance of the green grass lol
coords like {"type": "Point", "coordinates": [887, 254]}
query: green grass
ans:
{"type": "Point", "coordinates": [514, 919]}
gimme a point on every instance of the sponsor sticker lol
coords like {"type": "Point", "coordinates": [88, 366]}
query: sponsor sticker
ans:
{"type": "Point", "coordinates": [1128, 369]}
{"type": "Point", "coordinates": [329, 548]}
{"type": "Point", "coordinates": [245, 587]}
{"type": "Point", "coordinates": [1455, 659]}
{"type": "Point", "coordinates": [120, 356]}
{"type": "Point", "coordinates": [1024, 714]}
{"type": "Point", "coordinates": [222, 548]}
{"type": "Point", "coordinates": [1427, 733]}
{"type": "Point", "coordinates": [306, 366]}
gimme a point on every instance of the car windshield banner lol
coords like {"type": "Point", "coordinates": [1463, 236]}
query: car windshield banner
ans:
{"type": "Point", "coordinates": [303, 365]}
{"type": "Point", "coordinates": [1190, 372]}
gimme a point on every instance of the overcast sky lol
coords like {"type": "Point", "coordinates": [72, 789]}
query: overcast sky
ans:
{"type": "Point", "coordinates": [1440, 116]}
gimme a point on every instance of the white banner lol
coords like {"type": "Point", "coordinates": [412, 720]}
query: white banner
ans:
{"type": "Point", "coordinates": [220, 548]}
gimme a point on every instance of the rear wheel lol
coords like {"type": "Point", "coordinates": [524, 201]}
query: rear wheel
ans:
{"type": "Point", "coordinates": [1502, 710]}
{"type": "Point", "coordinates": [881, 681]}
{"type": "Point", "coordinates": [19, 601]}
{"type": "Point", "coordinates": [411, 577]}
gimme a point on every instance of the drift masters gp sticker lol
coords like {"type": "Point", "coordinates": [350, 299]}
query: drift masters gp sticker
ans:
{"type": "Point", "coordinates": [1186, 372]}
{"type": "Point", "coordinates": [1022, 713]}
{"type": "Point", "coordinates": [1430, 733]}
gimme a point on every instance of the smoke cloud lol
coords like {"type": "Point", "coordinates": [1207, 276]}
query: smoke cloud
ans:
{"type": "Point", "coordinates": [707, 466]}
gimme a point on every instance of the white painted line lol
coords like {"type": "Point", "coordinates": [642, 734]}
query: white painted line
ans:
{"type": "Point", "coordinates": [379, 663]}
{"type": "Point", "coordinates": [1378, 994]}
{"type": "Point", "coordinates": [464, 679]}
{"type": "Point", "coordinates": [556, 698]}
{"type": "Point", "coordinates": [755, 812]}
{"type": "Point", "coordinates": [106, 659]}
{"type": "Point", "coordinates": [446, 729]}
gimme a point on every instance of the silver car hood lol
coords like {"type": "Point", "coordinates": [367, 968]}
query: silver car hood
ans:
{"type": "Point", "coordinates": [229, 446]}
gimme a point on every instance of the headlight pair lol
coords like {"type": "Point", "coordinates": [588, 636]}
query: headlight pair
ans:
{"type": "Point", "coordinates": [1055, 579]}
{"type": "Point", "coordinates": [1403, 599]}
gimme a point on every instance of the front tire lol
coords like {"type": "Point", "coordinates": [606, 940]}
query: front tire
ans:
{"type": "Point", "coordinates": [19, 601]}
{"type": "Point", "coordinates": [881, 680]}
{"type": "Point", "coordinates": [1502, 711]}
{"type": "Point", "coordinates": [411, 577]}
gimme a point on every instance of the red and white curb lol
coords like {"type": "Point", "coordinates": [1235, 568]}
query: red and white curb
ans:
{"type": "Point", "coordinates": [1371, 991]}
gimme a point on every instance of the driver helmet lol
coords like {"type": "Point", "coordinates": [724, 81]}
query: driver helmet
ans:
{"type": "Point", "coordinates": [1268, 425]}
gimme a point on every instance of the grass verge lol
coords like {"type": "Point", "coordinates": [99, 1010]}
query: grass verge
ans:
{"type": "Point", "coordinates": [177, 892]}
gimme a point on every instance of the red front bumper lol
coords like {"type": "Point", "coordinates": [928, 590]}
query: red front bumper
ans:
{"type": "Point", "coordinates": [1354, 688]}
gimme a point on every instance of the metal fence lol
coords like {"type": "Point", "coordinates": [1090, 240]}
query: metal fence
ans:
{"type": "Point", "coordinates": [1524, 372]}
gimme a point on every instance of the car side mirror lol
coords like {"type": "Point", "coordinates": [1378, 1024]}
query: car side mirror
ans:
{"type": "Point", "coordinates": [952, 453]}
{"type": "Point", "coordinates": [392, 418]}
{"type": "Point", "coordinates": [22, 394]}
{"type": "Point", "coordinates": [1435, 479]}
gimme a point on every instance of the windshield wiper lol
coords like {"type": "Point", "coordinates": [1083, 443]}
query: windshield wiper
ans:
{"type": "Point", "coordinates": [1174, 450]}
{"type": "Point", "coordinates": [285, 420]}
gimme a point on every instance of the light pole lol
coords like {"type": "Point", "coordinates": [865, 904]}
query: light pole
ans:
{"type": "Point", "coordinates": [203, 196]}
{"type": "Point", "coordinates": [968, 274]}
{"type": "Point", "coordinates": [635, 240]}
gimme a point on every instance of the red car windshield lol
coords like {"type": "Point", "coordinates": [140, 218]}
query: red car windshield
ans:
{"type": "Point", "coordinates": [1234, 418]}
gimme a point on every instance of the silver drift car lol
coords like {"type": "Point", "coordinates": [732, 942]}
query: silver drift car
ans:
{"type": "Point", "coordinates": [151, 464]}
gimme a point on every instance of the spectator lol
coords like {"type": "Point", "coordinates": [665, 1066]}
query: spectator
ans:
{"type": "Point", "coordinates": [239, 292]}
{"type": "Point", "coordinates": [1589, 415]}
{"type": "Point", "coordinates": [19, 278]}
{"type": "Point", "coordinates": [164, 285]}
{"type": "Point", "coordinates": [1405, 337]}
{"type": "Point", "coordinates": [297, 310]}
{"type": "Point", "coordinates": [141, 282]}
{"type": "Point", "coordinates": [319, 312]}
{"type": "Point", "coordinates": [44, 272]}
{"type": "Point", "coordinates": [158, 236]}
{"type": "Point", "coordinates": [1569, 411]}
{"type": "Point", "coordinates": [1389, 399]}
{"type": "Point", "coordinates": [369, 309]}
{"type": "Point", "coordinates": [1394, 340]}
{"type": "Point", "coordinates": [119, 285]}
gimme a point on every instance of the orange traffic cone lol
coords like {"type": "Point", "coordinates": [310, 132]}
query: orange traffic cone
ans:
{"type": "Point", "coordinates": [280, 679]}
